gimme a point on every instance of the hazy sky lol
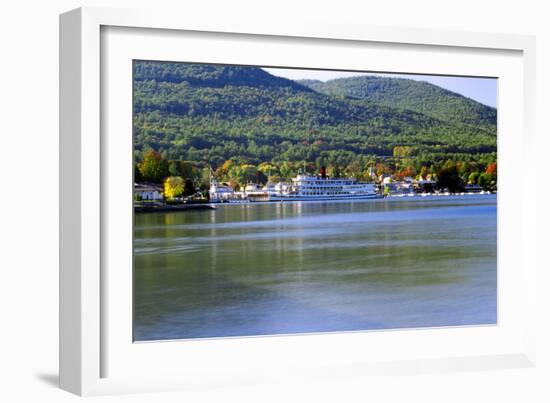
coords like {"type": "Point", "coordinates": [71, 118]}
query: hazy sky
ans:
{"type": "Point", "coordinates": [483, 90]}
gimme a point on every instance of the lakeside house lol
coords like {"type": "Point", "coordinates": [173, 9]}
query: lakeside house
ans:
{"type": "Point", "coordinates": [407, 185]}
{"type": "Point", "coordinates": [222, 192]}
{"type": "Point", "coordinates": [148, 191]}
{"type": "Point", "coordinates": [404, 186]}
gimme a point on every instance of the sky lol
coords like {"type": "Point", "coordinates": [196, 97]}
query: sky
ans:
{"type": "Point", "coordinates": [483, 90]}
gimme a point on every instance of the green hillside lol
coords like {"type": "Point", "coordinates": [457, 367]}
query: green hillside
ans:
{"type": "Point", "coordinates": [418, 96]}
{"type": "Point", "coordinates": [209, 114]}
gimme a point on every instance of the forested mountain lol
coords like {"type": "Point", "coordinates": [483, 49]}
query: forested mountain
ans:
{"type": "Point", "coordinates": [418, 96]}
{"type": "Point", "coordinates": [209, 114]}
{"type": "Point", "coordinates": [210, 75]}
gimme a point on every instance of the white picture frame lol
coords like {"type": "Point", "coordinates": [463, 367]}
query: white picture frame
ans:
{"type": "Point", "coordinates": [91, 343]}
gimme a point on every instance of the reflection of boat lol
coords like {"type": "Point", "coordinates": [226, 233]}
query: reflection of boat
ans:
{"type": "Point", "coordinates": [321, 187]}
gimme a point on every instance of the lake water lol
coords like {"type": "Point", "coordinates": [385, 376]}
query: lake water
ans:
{"type": "Point", "coordinates": [279, 268]}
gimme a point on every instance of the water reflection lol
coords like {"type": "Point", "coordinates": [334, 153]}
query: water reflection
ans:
{"type": "Point", "coordinates": [277, 268]}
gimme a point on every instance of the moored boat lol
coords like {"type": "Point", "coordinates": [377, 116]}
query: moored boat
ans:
{"type": "Point", "coordinates": [321, 187]}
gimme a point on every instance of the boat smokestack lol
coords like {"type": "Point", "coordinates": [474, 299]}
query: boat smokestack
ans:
{"type": "Point", "coordinates": [323, 172]}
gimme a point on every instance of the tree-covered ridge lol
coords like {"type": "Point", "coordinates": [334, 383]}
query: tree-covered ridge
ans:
{"type": "Point", "coordinates": [210, 114]}
{"type": "Point", "coordinates": [209, 75]}
{"type": "Point", "coordinates": [282, 105]}
{"type": "Point", "coordinates": [418, 96]}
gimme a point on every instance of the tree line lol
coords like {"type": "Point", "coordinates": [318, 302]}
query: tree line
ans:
{"type": "Point", "coordinates": [186, 178]}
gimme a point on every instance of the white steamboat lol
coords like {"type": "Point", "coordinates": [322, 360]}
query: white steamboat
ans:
{"type": "Point", "coordinates": [322, 187]}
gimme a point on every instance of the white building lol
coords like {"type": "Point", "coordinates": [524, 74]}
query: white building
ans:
{"type": "Point", "coordinates": [145, 191]}
{"type": "Point", "coordinates": [220, 192]}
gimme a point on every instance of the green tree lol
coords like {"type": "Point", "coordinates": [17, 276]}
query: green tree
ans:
{"type": "Point", "coordinates": [242, 174]}
{"type": "Point", "coordinates": [137, 174]}
{"type": "Point", "coordinates": [173, 168]}
{"type": "Point", "coordinates": [449, 178]}
{"type": "Point", "coordinates": [268, 169]}
{"type": "Point", "coordinates": [189, 188]}
{"type": "Point", "coordinates": [188, 170]}
{"type": "Point", "coordinates": [355, 170]}
{"type": "Point", "coordinates": [204, 178]}
{"type": "Point", "coordinates": [487, 181]}
{"type": "Point", "coordinates": [473, 178]}
{"type": "Point", "coordinates": [287, 170]}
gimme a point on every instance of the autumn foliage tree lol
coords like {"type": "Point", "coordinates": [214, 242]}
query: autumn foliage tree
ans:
{"type": "Point", "coordinates": [382, 169]}
{"type": "Point", "coordinates": [488, 179]}
{"type": "Point", "coordinates": [406, 172]}
{"type": "Point", "coordinates": [153, 168]}
{"type": "Point", "coordinates": [402, 151]}
{"type": "Point", "coordinates": [173, 187]}
{"type": "Point", "coordinates": [492, 170]}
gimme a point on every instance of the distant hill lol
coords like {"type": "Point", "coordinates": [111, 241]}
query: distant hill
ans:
{"type": "Point", "coordinates": [210, 113]}
{"type": "Point", "coordinates": [418, 96]}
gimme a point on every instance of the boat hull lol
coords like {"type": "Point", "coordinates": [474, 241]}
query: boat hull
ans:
{"type": "Point", "coordinates": [323, 198]}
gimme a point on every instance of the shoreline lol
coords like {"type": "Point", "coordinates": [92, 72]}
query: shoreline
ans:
{"type": "Point", "coordinates": [168, 208]}
{"type": "Point", "coordinates": [213, 206]}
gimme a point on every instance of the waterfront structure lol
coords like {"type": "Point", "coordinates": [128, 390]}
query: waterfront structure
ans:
{"type": "Point", "coordinates": [321, 187]}
{"type": "Point", "coordinates": [402, 187]}
{"type": "Point", "coordinates": [146, 191]}
{"type": "Point", "coordinates": [220, 193]}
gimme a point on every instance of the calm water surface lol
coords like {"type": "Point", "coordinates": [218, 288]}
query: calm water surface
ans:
{"type": "Point", "coordinates": [276, 268]}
